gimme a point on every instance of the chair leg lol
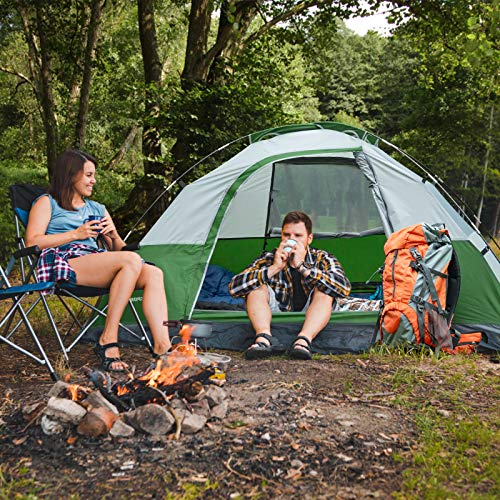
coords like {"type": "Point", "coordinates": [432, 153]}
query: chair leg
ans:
{"type": "Point", "coordinates": [44, 360]}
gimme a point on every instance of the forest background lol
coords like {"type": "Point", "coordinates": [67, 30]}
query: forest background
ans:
{"type": "Point", "coordinates": [150, 87]}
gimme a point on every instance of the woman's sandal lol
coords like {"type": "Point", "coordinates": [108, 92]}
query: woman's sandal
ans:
{"type": "Point", "coordinates": [261, 350]}
{"type": "Point", "coordinates": [100, 351]}
{"type": "Point", "coordinates": [299, 351]}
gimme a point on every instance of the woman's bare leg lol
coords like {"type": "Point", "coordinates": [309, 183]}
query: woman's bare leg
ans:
{"type": "Point", "coordinates": [154, 305]}
{"type": "Point", "coordinates": [119, 271]}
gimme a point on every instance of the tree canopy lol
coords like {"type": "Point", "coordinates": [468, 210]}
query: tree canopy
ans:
{"type": "Point", "coordinates": [153, 86]}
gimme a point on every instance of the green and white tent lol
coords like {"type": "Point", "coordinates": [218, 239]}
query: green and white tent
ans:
{"type": "Point", "coordinates": [356, 194]}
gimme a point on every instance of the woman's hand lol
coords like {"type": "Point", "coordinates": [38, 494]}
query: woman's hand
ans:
{"type": "Point", "coordinates": [108, 228]}
{"type": "Point", "coordinates": [89, 229]}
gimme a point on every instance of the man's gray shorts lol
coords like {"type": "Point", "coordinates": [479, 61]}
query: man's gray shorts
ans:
{"type": "Point", "coordinates": [275, 305]}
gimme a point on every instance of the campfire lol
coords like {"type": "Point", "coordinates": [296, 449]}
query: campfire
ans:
{"type": "Point", "coordinates": [180, 392]}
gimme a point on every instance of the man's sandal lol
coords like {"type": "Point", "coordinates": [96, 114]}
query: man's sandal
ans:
{"type": "Point", "coordinates": [299, 351]}
{"type": "Point", "coordinates": [261, 350]}
{"type": "Point", "coordinates": [100, 351]}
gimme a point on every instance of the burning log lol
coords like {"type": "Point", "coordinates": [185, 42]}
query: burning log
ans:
{"type": "Point", "coordinates": [136, 393]}
{"type": "Point", "coordinates": [97, 422]}
{"type": "Point", "coordinates": [97, 400]}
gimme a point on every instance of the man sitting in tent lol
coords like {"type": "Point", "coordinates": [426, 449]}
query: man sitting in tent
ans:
{"type": "Point", "coordinates": [293, 277]}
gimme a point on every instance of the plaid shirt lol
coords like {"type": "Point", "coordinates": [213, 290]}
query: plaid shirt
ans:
{"type": "Point", "coordinates": [53, 263]}
{"type": "Point", "coordinates": [326, 275]}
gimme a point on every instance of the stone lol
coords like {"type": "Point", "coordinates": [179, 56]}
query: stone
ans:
{"type": "Point", "coordinates": [65, 410]}
{"type": "Point", "coordinates": [193, 423]}
{"type": "Point", "coordinates": [215, 395]}
{"type": "Point", "coordinates": [219, 411]}
{"type": "Point", "coordinates": [51, 427]}
{"type": "Point", "coordinates": [121, 429]}
{"type": "Point", "coordinates": [57, 389]}
{"type": "Point", "coordinates": [201, 408]}
{"type": "Point", "coordinates": [152, 419]}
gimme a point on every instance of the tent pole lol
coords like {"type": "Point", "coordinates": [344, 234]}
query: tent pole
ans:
{"type": "Point", "coordinates": [175, 181]}
{"type": "Point", "coordinates": [451, 196]}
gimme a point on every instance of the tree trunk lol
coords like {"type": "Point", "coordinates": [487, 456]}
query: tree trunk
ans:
{"type": "Point", "coordinates": [196, 65]}
{"type": "Point", "coordinates": [496, 223]}
{"type": "Point", "coordinates": [489, 145]}
{"type": "Point", "coordinates": [151, 144]}
{"type": "Point", "coordinates": [127, 143]}
{"type": "Point", "coordinates": [40, 68]}
{"type": "Point", "coordinates": [93, 31]}
{"type": "Point", "coordinates": [150, 187]}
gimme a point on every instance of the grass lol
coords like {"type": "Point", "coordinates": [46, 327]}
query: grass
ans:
{"type": "Point", "coordinates": [456, 455]}
{"type": "Point", "coordinates": [454, 459]}
{"type": "Point", "coordinates": [192, 491]}
{"type": "Point", "coordinates": [18, 485]}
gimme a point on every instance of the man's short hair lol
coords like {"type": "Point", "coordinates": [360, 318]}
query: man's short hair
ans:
{"type": "Point", "coordinates": [296, 217]}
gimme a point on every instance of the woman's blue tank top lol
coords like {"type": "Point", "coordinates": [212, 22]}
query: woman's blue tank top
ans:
{"type": "Point", "coordinates": [62, 220]}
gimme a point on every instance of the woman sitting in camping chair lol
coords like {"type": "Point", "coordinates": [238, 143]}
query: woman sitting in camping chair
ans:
{"type": "Point", "coordinates": [61, 224]}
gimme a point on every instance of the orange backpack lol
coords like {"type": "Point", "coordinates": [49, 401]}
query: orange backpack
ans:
{"type": "Point", "coordinates": [421, 283]}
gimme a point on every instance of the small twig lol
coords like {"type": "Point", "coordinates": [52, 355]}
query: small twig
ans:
{"type": "Point", "coordinates": [230, 469]}
{"type": "Point", "coordinates": [378, 394]}
{"type": "Point", "coordinates": [34, 418]}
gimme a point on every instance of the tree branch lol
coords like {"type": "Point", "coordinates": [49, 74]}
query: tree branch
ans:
{"type": "Point", "coordinates": [19, 75]}
{"type": "Point", "coordinates": [297, 9]}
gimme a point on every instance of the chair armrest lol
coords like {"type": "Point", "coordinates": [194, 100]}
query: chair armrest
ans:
{"type": "Point", "coordinates": [24, 252]}
{"type": "Point", "coordinates": [131, 247]}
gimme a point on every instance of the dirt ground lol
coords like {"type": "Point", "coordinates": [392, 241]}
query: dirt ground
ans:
{"type": "Point", "coordinates": [327, 428]}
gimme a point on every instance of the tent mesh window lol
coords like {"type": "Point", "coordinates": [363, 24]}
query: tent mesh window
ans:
{"type": "Point", "coordinates": [334, 193]}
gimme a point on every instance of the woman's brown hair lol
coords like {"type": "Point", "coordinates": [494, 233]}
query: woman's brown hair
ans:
{"type": "Point", "coordinates": [68, 165]}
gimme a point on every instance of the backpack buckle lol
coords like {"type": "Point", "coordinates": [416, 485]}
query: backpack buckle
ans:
{"type": "Point", "coordinates": [419, 301]}
{"type": "Point", "coordinates": [415, 254]}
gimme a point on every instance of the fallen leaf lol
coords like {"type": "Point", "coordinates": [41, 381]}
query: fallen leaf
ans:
{"type": "Point", "coordinates": [72, 439]}
{"type": "Point", "coordinates": [20, 440]}
{"type": "Point", "coordinates": [278, 459]}
{"type": "Point", "coordinates": [344, 458]}
{"type": "Point", "coordinates": [293, 474]}
{"type": "Point", "coordinates": [294, 446]}
{"type": "Point", "coordinates": [199, 479]}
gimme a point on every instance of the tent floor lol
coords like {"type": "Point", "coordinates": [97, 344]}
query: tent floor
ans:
{"type": "Point", "coordinates": [336, 338]}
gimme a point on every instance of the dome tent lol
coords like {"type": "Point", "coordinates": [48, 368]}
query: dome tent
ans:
{"type": "Point", "coordinates": [357, 195]}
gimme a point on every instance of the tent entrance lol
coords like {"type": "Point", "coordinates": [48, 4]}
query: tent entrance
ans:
{"type": "Point", "coordinates": [333, 191]}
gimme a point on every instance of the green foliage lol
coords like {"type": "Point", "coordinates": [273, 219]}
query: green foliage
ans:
{"type": "Point", "coordinates": [265, 87]}
{"type": "Point", "coordinates": [12, 172]}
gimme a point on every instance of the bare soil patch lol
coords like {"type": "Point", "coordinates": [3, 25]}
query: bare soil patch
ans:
{"type": "Point", "coordinates": [329, 428]}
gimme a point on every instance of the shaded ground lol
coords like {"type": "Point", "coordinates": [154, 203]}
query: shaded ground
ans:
{"type": "Point", "coordinates": [335, 427]}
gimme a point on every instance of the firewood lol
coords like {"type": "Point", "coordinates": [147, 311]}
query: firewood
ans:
{"type": "Point", "coordinates": [65, 410]}
{"type": "Point", "coordinates": [97, 421]}
{"type": "Point", "coordinates": [152, 419]}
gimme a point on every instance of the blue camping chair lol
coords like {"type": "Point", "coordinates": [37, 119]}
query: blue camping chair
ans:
{"type": "Point", "coordinates": [9, 333]}
{"type": "Point", "coordinates": [22, 197]}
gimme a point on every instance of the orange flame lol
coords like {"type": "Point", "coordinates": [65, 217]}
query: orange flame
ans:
{"type": "Point", "coordinates": [167, 371]}
{"type": "Point", "coordinates": [73, 391]}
